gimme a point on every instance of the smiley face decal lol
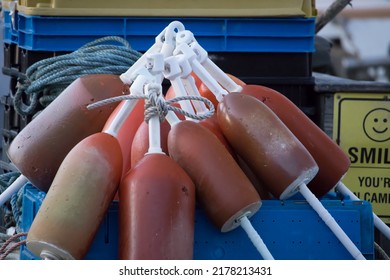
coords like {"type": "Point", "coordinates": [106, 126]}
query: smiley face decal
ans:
{"type": "Point", "coordinates": [376, 125]}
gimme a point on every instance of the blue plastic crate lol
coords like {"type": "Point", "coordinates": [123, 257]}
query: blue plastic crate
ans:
{"type": "Point", "coordinates": [105, 244]}
{"type": "Point", "coordinates": [10, 30]}
{"type": "Point", "coordinates": [278, 34]}
{"type": "Point", "coordinates": [291, 230]}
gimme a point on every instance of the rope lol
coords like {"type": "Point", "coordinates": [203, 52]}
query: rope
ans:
{"type": "Point", "coordinates": [10, 209]}
{"type": "Point", "coordinates": [156, 105]}
{"type": "Point", "coordinates": [10, 240]}
{"type": "Point", "coordinates": [17, 208]}
{"type": "Point", "coordinates": [47, 78]}
{"type": "Point", "coordinates": [381, 252]}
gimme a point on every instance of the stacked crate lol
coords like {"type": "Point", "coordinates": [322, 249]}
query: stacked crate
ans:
{"type": "Point", "coordinates": [261, 42]}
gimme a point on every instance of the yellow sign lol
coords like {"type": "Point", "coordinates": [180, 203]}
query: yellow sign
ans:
{"type": "Point", "coordinates": [361, 126]}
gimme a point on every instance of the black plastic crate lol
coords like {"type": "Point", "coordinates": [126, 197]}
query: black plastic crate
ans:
{"type": "Point", "coordinates": [8, 136]}
{"type": "Point", "coordinates": [11, 118]}
{"type": "Point", "coordinates": [300, 90]}
{"type": "Point", "coordinates": [28, 57]}
{"type": "Point", "coordinates": [17, 60]}
{"type": "Point", "coordinates": [264, 64]}
{"type": "Point", "coordinates": [11, 65]}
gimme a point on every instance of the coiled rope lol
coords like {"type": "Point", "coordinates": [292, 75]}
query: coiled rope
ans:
{"type": "Point", "coordinates": [11, 212]}
{"type": "Point", "coordinates": [47, 78]}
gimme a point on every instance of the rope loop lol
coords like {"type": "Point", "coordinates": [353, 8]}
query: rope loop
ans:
{"type": "Point", "coordinates": [160, 106]}
{"type": "Point", "coordinates": [199, 117]}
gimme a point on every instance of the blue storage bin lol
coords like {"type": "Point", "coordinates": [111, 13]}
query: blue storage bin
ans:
{"type": "Point", "coordinates": [10, 30]}
{"type": "Point", "coordinates": [105, 244]}
{"type": "Point", "coordinates": [290, 229]}
{"type": "Point", "coordinates": [279, 34]}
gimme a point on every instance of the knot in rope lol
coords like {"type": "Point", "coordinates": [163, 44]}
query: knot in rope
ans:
{"type": "Point", "coordinates": [154, 105]}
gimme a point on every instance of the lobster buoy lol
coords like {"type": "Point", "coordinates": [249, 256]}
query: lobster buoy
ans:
{"type": "Point", "coordinates": [40, 147]}
{"type": "Point", "coordinates": [156, 211]}
{"type": "Point", "coordinates": [78, 199]}
{"type": "Point", "coordinates": [271, 150]}
{"type": "Point", "coordinates": [333, 163]}
{"type": "Point", "coordinates": [223, 189]}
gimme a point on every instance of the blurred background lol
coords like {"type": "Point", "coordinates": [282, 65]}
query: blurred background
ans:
{"type": "Point", "coordinates": [359, 37]}
{"type": "Point", "coordinates": [354, 44]}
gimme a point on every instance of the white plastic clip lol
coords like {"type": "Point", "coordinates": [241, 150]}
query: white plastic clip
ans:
{"type": "Point", "coordinates": [173, 72]}
{"type": "Point", "coordinates": [154, 122]}
{"type": "Point", "coordinates": [140, 77]}
{"type": "Point", "coordinates": [189, 84]}
{"type": "Point", "coordinates": [211, 75]}
{"type": "Point", "coordinates": [165, 43]}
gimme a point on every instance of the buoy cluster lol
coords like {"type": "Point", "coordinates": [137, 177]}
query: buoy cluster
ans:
{"type": "Point", "coordinates": [210, 140]}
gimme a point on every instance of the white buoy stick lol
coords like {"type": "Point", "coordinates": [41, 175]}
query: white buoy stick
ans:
{"type": "Point", "coordinates": [378, 223]}
{"type": "Point", "coordinates": [330, 222]}
{"type": "Point", "coordinates": [13, 188]}
{"type": "Point", "coordinates": [255, 238]}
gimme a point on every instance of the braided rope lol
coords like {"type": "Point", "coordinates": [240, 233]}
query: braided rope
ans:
{"type": "Point", "coordinates": [4, 251]}
{"type": "Point", "coordinates": [47, 78]}
{"type": "Point", "coordinates": [8, 209]}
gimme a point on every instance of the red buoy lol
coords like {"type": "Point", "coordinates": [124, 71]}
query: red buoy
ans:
{"type": "Point", "coordinates": [274, 154]}
{"type": "Point", "coordinates": [156, 211]}
{"type": "Point", "coordinates": [282, 163]}
{"type": "Point", "coordinates": [222, 187]}
{"type": "Point", "coordinates": [333, 163]}
{"type": "Point", "coordinates": [77, 200]}
{"type": "Point", "coordinates": [39, 149]}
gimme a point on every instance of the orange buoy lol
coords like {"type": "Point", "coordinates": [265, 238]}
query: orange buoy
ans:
{"type": "Point", "coordinates": [274, 154]}
{"type": "Point", "coordinates": [333, 163]}
{"type": "Point", "coordinates": [157, 201]}
{"type": "Point", "coordinates": [272, 151]}
{"type": "Point", "coordinates": [156, 211]}
{"type": "Point", "coordinates": [38, 150]}
{"type": "Point", "coordinates": [77, 200]}
{"type": "Point", "coordinates": [223, 189]}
